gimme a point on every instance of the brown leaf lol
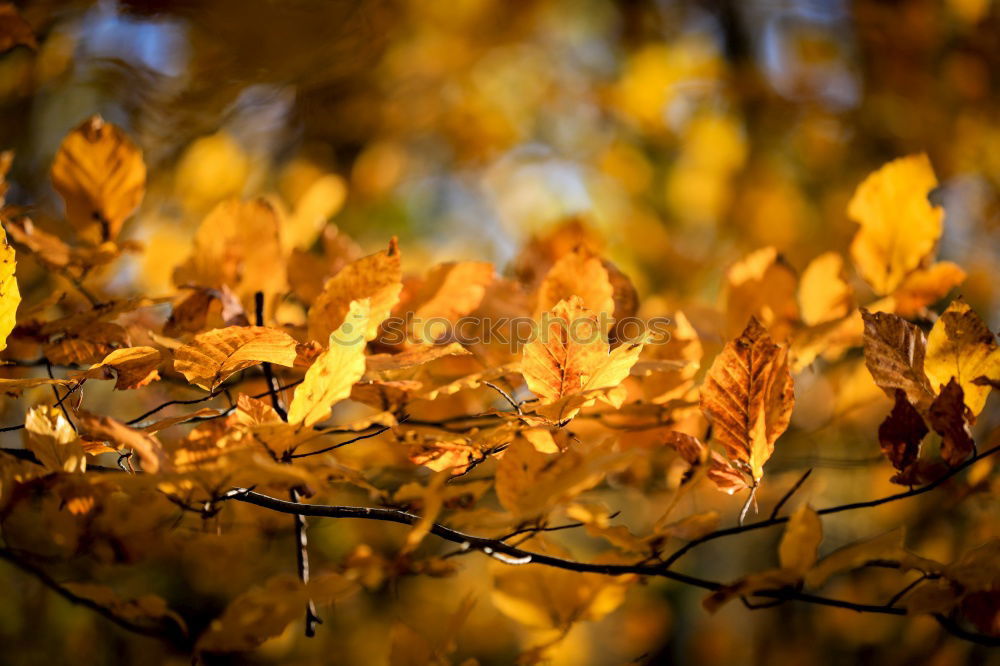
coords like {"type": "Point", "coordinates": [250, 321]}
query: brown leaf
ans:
{"type": "Point", "coordinates": [901, 433]}
{"type": "Point", "coordinates": [947, 416]}
{"type": "Point", "coordinates": [101, 177]}
{"type": "Point", "coordinates": [215, 355]}
{"type": "Point", "coordinates": [894, 354]}
{"type": "Point", "coordinates": [106, 429]}
{"type": "Point", "coordinates": [749, 396]}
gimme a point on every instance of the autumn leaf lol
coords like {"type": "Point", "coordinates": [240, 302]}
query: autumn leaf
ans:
{"type": "Point", "coordinates": [961, 346]}
{"type": "Point", "coordinates": [894, 353]}
{"type": "Point", "coordinates": [579, 273]}
{"type": "Point", "coordinates": [900, 435]}
{"type": "Point", "coordinates": [121, 437]}
{"type": "Point", "coordinates": [10, 296]}
{"type": "Point", "coordinates": [925, 286]}
{"type": "Point", "coordinates": [450, 291]}
{"type": "Point", "coordinates": [215, 355]}
{"type": "Point", "coordinates": [899, 226]}
{"type": "Point", "coordinates": [237, 245]}
{"type": "Point", "coordinates": [947, 417]}
{"type": "Point", "coordinates": [761, 285]}
{"type": "Point", "coordinates": [800, 542]}
{"type": "Point", "coordinates": [101, 177]}
{"type": "Point", "coordinates": [330, 378]}
{"type": "Point", "coordinates": [53, 441]}
{"type": "Point", "coordinates": [131, 368]}
{"type": "Point", "coordinates": [824, 294]}
{"type": "Point", "coordinates": [748, 395]}
{"type": "Point", "coordinates": [569, 355]}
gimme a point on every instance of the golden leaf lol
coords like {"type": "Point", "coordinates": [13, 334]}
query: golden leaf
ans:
{"type": "Point", "coordinates": [377, 277]}
{"type": "Point", "coordinates": [554, 598]}
{"type": "Point", "coordinates": [800, 542]}
{"type": "Point", "coordinates": [748, 395]}
{"type": "Point", "coordinates": [824, 294]}
{"type": "Point", "coordinates": [925, 286]}
{"type": "Point", "coordinates": [579, 273]}
{"type": "Point", "coordinates": [529, 482]}
{"type": "Point", "coordinates": [330, 378]}
{"type": "Point", "coordinates": [215, 355]}
{"type": "Point", "coordinates": [53, 441]}
{"type": "Point", "coordinates": [132, 367]}
{"type": "Point", "coordinates": [761, 285]}
{"type": "Point", "coordinates": [450, 291]}
{"type": "Point", "coordinates": [120, 436]}
{"type": "Point", "coordinates": [237, 245]}
{"type": "Point", "coordinates": [961, 345]}
{"type": "Point", "coordinates": [10, 296]}
{"type": "Point", "coordinates": [894, 354]}
{"type": "Point", "coordinates": [570, 356]}
{"type": "Point", "coordinates": [101, 177]}
{"type": "Point", "coordinates": [899, 226]}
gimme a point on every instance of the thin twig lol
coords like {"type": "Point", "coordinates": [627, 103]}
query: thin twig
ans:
{"type": "Point", "coordinates": [506, 396]}
{"type": "Point", "coordinates": [294, 456]}
{"type": "Point", "coordinates": [781, 520]}
{"type": "Point", "coordinates": [791, 491]}
{"type": "Point", "coordinates": [59, 401]}
{"type": "Point", "coordinates": [272, 390]}
{"type": "Point", "coordinates": [302, 556]}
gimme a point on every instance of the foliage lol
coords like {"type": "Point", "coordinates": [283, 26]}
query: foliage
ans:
{"type": "Point", "coordinates": [271, 435]}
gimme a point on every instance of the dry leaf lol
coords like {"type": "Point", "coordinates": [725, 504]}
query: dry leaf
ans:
{"type": "Point", "coordinates": [894, 353]}
{"type": "Point", "coordinates": [748, 395]}
{"type": "Point", "coordinates": [579, 273]}
{"type": "Point", "coordinates": [215, 355]}
{"type": "Point", "coordinates": [53, 441]}
{"type": "Point", "coordinates": [947, 416]}
{"type": "Point", "coordinates": [899, 226]}
{"type": "Point", "coordinates": [900, 435]}
{"type": "Point", "coordinates": [101, 177]}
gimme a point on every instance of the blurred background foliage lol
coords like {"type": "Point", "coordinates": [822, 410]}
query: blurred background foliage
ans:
{"type": "Point", "coordinates": [685, 133]}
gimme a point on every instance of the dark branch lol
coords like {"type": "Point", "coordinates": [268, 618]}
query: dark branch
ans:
{"type": "Point", "coordinates": [791, 491]}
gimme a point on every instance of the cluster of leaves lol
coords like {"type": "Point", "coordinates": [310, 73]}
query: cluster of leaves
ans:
{"type": "Point", "coordinates": [286, 323]}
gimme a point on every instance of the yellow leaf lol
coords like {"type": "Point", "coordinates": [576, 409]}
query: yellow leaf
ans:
{"type": "Point", "coordinates": [570, 356]}
{"type": "Point", "coordinates": [330, 378]}
{"type": "Point", "coordinates": [579, 273]}
{"type": "Point", "coordinates": [132, 367]}
{"type": "Point", "coordinates": [323, 198]}
{"type": "Point", "coordinates": [53, 441]}
{"type": "Point", "coordinates": [761, 285]}
{"type": "Point", "coordinates": [824, 294]}
{"type": "Point", "coordinates": [215, 355]}
{"type": "Point", "coordinates": [925, 286]}
{"type": "Point", "coordinates": [237, 245]}
{"type": "Point", "coordinates": [529, 482]}
{"type": "Point", "coordinates": [101, 177]}
{"type": "Point", "coordinates": [748, 395]}
{"type": "Point", "coordinates": [800, 542]}
{"type": "Point", "coordinates": [449, 292]}
{"type": "Point", "coordinates": [377, 277]}
{"type": "Point", "coordinates": [961, 345]}
{"type": "Point", "coordinates": [899, 226]}
{"type": "Point", "coordinates": [10, 295]}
